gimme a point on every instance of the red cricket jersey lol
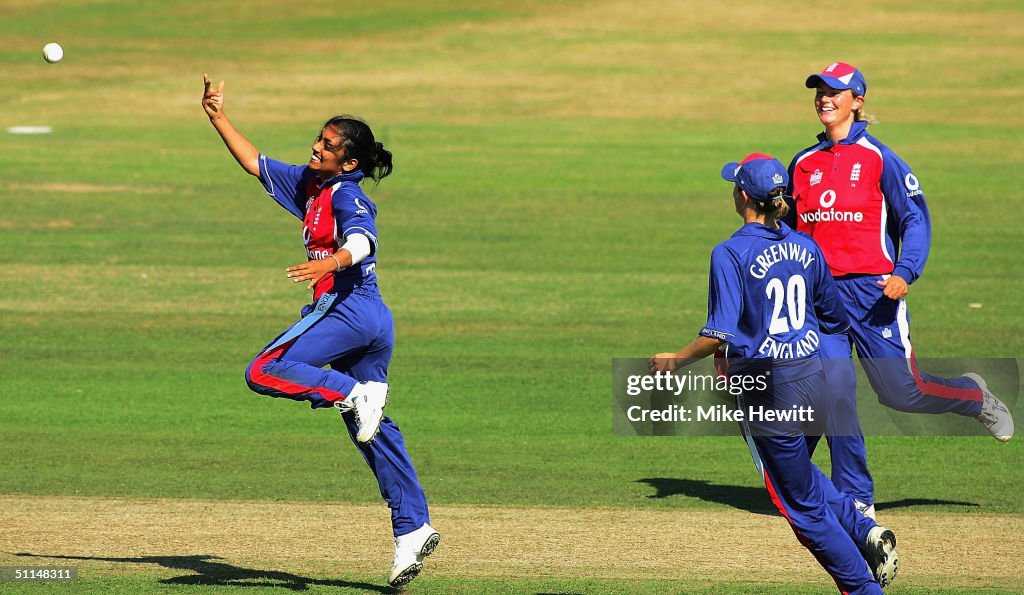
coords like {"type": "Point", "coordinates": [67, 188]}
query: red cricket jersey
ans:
{"type": "Point", "coordinates": [862, 205]}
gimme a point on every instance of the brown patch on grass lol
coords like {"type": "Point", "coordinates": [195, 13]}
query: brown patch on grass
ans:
{"type": "Point", "coordinates": [690, 61]}
{"type": "Point", "coordinates": [677, 60]}
{"type": "Point", "coordinates": [83, 188]}
{"type": "Point", "coordinates": [49, 224]}
{"type": "Point", "coordinates": [937, 549]}
{"type": "Point", "coordinates": [128, 289]}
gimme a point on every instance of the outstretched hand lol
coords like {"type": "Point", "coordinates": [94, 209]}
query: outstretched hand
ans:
{"type": "Point", "coordinates": [213, 99]}
{"type": "Point", "coordinates": [312, 271]}
{"type": "Point", "coordinates": [663, 362]}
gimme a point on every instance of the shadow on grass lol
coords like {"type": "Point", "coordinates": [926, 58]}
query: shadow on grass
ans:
{"type": "Point", "coordinates": [756, 499]}
{"type": "Point", "coordinates": [209, 572]}
{"type": "Point", "coordinates": [908, 502]}
{"type": "Point", "coordinates": [753, 500]}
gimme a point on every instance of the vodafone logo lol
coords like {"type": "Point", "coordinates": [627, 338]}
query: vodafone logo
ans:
{"type": "Point", "coordinates": [832, 216]}
{"type": "Point", "coordinates": [828, 214]}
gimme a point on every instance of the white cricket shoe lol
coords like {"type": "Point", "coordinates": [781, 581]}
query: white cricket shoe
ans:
{"type": "Point", "coordinates": [881, 555]}
{"type": "Point", "coordinates": [995, 416]}
{"type": "Point", "coordinates": [867, 510]}
{"type": "Point", "coordinates": [410, 550]}
{"type": "Point", "coordinates": [367, 401]}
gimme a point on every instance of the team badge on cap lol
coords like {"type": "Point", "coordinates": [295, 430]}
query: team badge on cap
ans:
{"type": "Point", "coordinates": [758, 174]}
{"type": "Point", "coordinates": [840, 75]}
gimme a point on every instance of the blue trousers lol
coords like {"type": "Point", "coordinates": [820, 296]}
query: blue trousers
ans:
{"type": "Point", "coordinates": [880, 331]}
{"type": "Point", "coordinates": [354, 334]}
{"type": "Point", "coordinates": [824, 519]}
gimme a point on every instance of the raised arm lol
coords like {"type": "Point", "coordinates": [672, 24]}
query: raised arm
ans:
{"type": "Point", "coordinates": [241, 149]}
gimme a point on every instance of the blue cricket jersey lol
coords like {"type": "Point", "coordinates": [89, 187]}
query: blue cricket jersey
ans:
{"type": "Point", "coordinates": [329, 211]}
{"type": "Point", "coordinates": [770, 296]}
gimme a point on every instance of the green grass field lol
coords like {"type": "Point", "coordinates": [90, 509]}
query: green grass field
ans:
{"type": "Point", "coordinates": [554, 203]}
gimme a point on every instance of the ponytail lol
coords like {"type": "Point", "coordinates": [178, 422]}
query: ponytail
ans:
{"type": "Point", "coordinates": [382, 162]}
{"type": "Point", "coordinates": [859, 115]}
{"type": "Point", "coordinates": [357, 139]}
{"type": "Point", "coordinates": [777, 208]}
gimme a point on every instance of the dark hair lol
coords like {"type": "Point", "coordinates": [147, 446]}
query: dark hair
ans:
{"type": "Point", "coordinates": [357, 140]}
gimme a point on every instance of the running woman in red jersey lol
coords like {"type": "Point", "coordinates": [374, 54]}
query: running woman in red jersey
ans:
{"type": "Point", "coordinates": [347, 328]}
{"type": "Point", "coordinates": [865, 207]}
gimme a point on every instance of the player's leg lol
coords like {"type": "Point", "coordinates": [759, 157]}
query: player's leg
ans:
{"type": "Point", "coordinates": [847, 449]}
{"type": "Point", "coordinates": [877, 543]}
{"type": "Point", "coordinates": [796, 491]}
{"type": "Point", "coordinates": [845, 509]}
{"type": "Point", "coordinates": [396, 476]}
{"type": "Point", "coordinates": [883, 343]}
{"type": "Point", "coordinates": [795, 483]}
{"type": "Point", "coordinates": [388, 457]}
{"type": "Point", "coordinates": [292, 365]}
{"type": "Point", "coordinates": [850, 513]}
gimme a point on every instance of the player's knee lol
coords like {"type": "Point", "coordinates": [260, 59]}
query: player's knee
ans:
{"type": "Point", "coordinates": [250, 371]}
{"type": "Point", "coordinates": [896, 390]}
{"type": "Point", "coordinates": [898, 400]}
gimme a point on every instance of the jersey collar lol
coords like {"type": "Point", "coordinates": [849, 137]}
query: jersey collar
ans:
{"type": "Point", "coordinates": [857, 130]}
{"type": "Point", "coordinates": [352, 176]}
{"type": "Point", "coordinates": [763, 231]}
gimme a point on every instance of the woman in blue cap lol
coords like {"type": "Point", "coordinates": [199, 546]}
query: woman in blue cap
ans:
{"type": "Point", "coordinates": [864, 206]}
{"type": "Point", "coordinates": [770, 299]}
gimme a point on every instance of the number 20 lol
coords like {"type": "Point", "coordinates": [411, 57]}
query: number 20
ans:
{"type": "Point", "coordinates": [795, 297]}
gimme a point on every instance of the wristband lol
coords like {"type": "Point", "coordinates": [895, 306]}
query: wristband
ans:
{"type": "Point", "coordinates": [336, 261]}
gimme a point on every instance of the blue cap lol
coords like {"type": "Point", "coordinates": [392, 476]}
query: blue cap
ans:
{"type": "Point", "coordinates": [758, 174]}
{"type": "Point", "coordinates": [839, 76]}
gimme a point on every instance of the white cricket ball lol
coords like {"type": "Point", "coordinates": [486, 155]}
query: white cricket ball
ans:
{"type": "Point", "coordinates": [53, 53]}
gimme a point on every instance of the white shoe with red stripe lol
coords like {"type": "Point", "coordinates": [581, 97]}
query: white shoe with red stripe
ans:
{"type": "Point", "coordinates": [995, 416]}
